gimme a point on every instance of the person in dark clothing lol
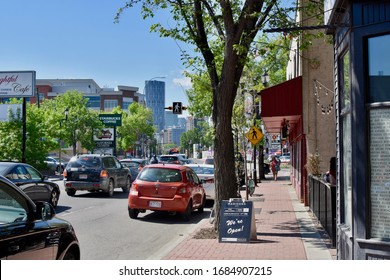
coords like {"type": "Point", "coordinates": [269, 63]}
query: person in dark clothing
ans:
{"type": "Point", "coordinates": [154, 160]}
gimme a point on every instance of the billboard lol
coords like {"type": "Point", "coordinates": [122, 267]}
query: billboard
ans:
{"type": "Point", "coordinates": [17, 84]}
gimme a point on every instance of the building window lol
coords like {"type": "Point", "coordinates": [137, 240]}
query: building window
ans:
{"type": "Point", "coordinates": [93, 102]}
{"type": "Point", "coordinates": [379, 135]}
{"type": "Point", "coordinates": [345, 121]}
{"type": "Point", "coordinates": [126, 103]}
{"type": "Point", "coordinates": [110, 104]}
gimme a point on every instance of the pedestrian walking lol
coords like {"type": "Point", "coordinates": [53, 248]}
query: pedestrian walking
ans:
{"type": "Point", "coordinates": [275, 167]}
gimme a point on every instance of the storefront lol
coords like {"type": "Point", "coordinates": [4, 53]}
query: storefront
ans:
{"type": "Point", "coordinates": [361, 32]}
{"type": "Point", "coordinates": [281, 113]}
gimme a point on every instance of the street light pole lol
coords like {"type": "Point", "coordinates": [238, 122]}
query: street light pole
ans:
{"type": "Point", "coordinates": [265, 81]}
{"type": "Point", "coordinates": [253, 93]}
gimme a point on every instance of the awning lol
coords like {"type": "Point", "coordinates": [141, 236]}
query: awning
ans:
{"type": "Point", "coordinates": [281, 105]}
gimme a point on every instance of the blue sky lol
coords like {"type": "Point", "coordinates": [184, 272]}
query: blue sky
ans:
{"type": "Point", "coordinates": [79, 39]}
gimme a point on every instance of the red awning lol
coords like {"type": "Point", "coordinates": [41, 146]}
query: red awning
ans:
{"type": "Point", "coordinates": [281, 104]}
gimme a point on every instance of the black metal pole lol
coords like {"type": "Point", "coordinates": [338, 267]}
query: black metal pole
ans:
{"type": "Point", "coordinates": [254, 148]}
{"type": "Point", "coordinates": [24, 130]}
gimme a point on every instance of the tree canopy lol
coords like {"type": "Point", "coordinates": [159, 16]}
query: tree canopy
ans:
{"type": "Point", "coordinates": [223, 33]}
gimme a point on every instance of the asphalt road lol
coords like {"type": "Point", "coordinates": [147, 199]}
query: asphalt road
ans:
{"type": "Point", "coordinates": [106, 232]}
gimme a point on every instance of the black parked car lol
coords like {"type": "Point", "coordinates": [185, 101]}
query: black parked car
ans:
{"type": "Point", "coordinates": [96, 173]}
{"type": "Point", "coordinates": [30, 230]}
{"type": "Point", "coordinates": [31, 181]}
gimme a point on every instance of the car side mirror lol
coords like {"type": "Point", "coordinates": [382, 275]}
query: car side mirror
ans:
{"type": "Point", "coordinates": [44, 211]}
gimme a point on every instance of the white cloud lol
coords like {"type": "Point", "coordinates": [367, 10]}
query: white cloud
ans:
{"type": "Point", "coordinates": [183, 82]}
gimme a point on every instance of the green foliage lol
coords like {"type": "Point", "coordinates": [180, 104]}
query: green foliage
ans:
{"type": "Point", "coordinates": [80, 125]}
{"type": "Point", "coordinates": [39, 140]}
{"type": "Point", "coordinates": [203, 135]}
{"type": "Point", "coordinates": [11, 137]}
{"type": "Point", "coordinates": [137, 123]}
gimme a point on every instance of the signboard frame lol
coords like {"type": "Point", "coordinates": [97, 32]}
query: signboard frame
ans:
{"type": "Point", "coordinates": [17, 84]}
{"type": "Point", "coordinates": [237, 221]}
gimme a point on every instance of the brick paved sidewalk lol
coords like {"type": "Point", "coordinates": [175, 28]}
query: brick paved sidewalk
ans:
{"type": "Point", "coordinates": [285, 231]}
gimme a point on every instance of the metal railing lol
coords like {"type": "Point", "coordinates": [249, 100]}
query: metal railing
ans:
{"type": "Point", "coordinates": [322, 202]}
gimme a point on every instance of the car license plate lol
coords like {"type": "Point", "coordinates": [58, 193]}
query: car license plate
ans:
{"type": "Point", "coordinates": [156, 204]}
{"type": "Point", "coordinates": [83, 176]}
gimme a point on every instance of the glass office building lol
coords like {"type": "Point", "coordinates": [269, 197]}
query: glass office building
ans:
{"type": "Point", "coordinates": [155, 100]}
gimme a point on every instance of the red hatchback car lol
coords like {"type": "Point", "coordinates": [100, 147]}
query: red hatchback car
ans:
{"type": "Point", "coordinates": [166, 187]}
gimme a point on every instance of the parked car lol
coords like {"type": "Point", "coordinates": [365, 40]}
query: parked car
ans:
{"type": "Point", "coordinates": [172, 159]}
{"type": "Point", "coordinates": [54, 164]}
{"type": "Point", "coordinates": [285, 159]}
{"type": "Point", "coordinates": [166, 187]}
{"type": "Point", "coordinates": [31, 181]}
{"type": "Point", "coordinates": [139, 163]}
{"type": "Point", "coordinates": [208, 160]}
{"type": "Point", "coordinates": [132, 167]}
{"type": "Point", "coordinates": [96, 173]}
{"type": "Point", "coordinates": [31, 230]}
{"type": "Point", "coordinates": [205, 173]}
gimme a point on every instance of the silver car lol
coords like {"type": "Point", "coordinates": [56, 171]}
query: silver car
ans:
{"type": "Point", "coordinates": [205, 172]}
{"type": "Point", "coordinates": [54, 164]}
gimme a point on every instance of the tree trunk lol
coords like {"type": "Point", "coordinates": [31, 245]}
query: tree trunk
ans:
{"type": "Point", "coordinates": [225, 177]}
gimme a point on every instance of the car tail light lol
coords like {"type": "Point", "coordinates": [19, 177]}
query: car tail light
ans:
{"type": "Point", "coordinates": [65, 174]}
{"type": "Point", "coordinates": [176, 162]}
{"type": "Point", "coordinates": [104, 174]}
{"type": "Point", "coordinates": [182, 190]}
{"type": "Point", "coordinates": [134, 189]}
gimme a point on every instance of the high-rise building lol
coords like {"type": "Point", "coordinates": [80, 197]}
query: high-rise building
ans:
{"type": "Point", "coordinates": [171, 119]}
{"type": "Point", "coordinates": [155, 100]}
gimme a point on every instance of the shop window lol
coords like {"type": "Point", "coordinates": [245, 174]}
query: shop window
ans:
{"type": "Point", "coordinates": [379, 140]}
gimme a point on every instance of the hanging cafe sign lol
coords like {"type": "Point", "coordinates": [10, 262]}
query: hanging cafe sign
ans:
{"type": "Point", "coordinates": [17, 84]}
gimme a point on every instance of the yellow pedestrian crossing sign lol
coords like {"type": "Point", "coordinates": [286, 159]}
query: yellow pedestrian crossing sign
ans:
{"type": "Point", "coordinates": [254, 135]}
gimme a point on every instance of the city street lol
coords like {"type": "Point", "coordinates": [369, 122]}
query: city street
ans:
{"type": "Point", "coordinates": [106, 232]}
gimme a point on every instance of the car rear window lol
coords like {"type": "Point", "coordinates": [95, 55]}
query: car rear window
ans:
{"type": "Point", "coordinates": [169, 159]}
{"type": "Point", "coordinates": [160, 174]}
{"type": "Point", "coordinates": [91, 162]}
{"type": "Point", "coordinates": [203, 170]}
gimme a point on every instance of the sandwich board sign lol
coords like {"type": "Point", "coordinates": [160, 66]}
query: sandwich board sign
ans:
{"type": "Point", "coordinates": [237, 221]}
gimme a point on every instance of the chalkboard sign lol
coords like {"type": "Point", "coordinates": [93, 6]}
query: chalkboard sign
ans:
{"type": "Point", "coordinates": [237, 221]}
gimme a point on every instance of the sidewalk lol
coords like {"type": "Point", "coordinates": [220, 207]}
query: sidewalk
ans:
{"type": "Point", "coordinates": [285, 231]}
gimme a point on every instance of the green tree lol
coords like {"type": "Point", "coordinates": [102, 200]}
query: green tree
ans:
{"type": "Point", "coordinates": [11, 137]}
{"type": "Point", "coordinates": [39, 140]}
{"type": "Point", "coordinates": [81, 123]}
{"type": "Point", "coordinates": [223, 32]}
{"type": "Point", "coordinates": [137, 125]}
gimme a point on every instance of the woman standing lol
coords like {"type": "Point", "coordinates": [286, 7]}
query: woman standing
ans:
{"type": "Point", "coordinates": [275, 167]}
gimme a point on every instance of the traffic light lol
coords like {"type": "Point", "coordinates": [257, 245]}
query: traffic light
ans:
{"type": "Point", "coordinates": [177, 108]}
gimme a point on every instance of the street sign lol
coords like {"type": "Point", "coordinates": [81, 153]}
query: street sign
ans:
{"type": "Point", "coordinates": [111, 119]}
{"type": "Point", "coordinates": [254, 135]}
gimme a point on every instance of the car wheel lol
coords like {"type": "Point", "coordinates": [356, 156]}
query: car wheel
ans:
{"type": "Point", "coordinates": [59, 169]}
{"type": "Point", "coordinates": [69, 256]}
{"type": "Point", "coordinates": [54, 198]}
{"type": "Point", "coordinates": [201, 208]}
{"type": "Point", "coordinates": [110, 191]}
{"type": "Point", "coordinates": [186, 215]}
{"type": "Point", "coordinates": [133, 213]}
{"type": "Point", "coordinates": [71, 192]}
{"type": "Point", "coordinates": [126, 188]}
